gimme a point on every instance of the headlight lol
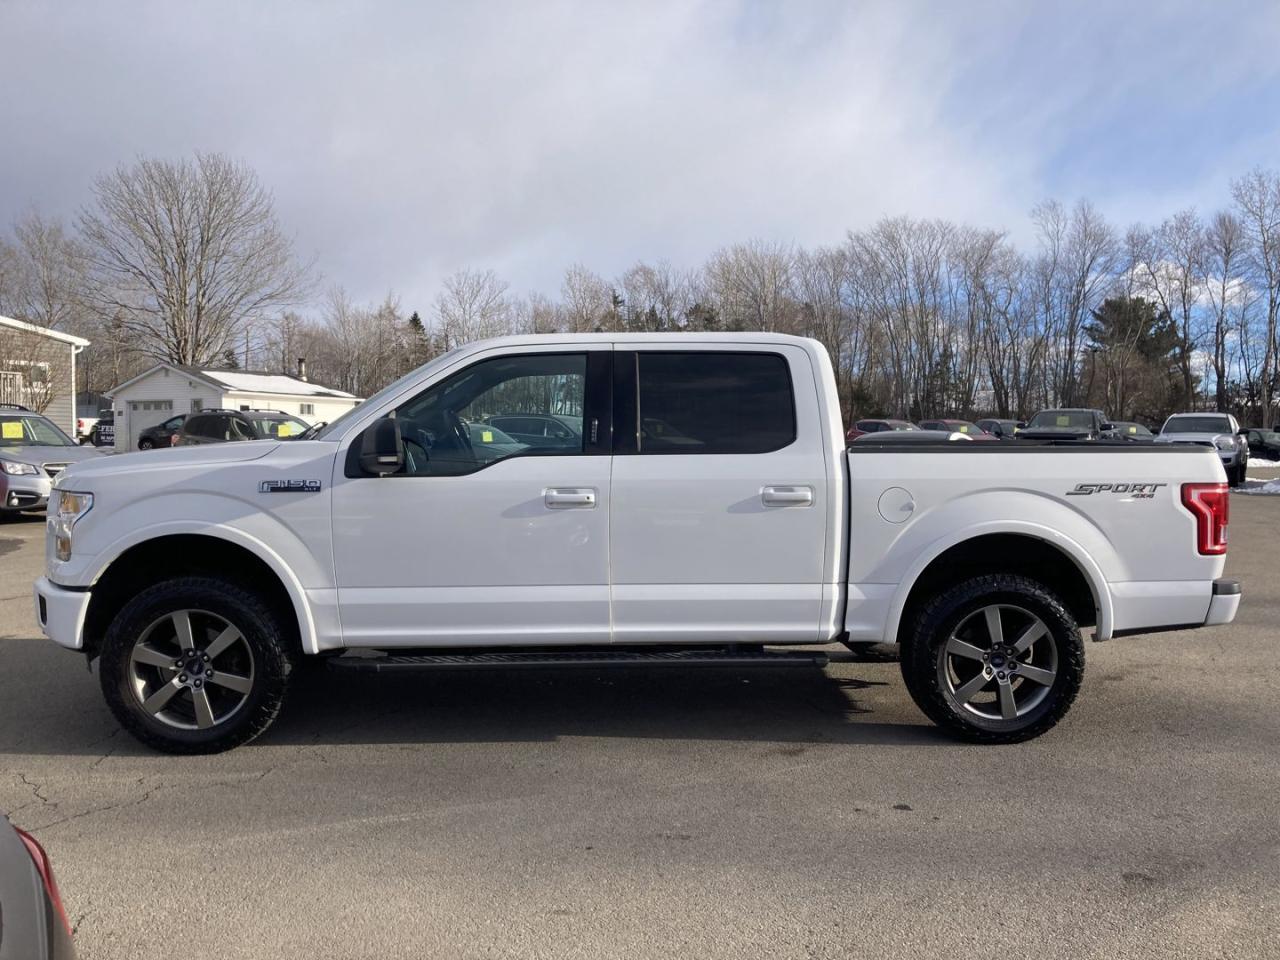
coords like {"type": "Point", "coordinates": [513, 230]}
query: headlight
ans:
{"type": "Point", "coordinates": [1226, 443]}
{"type": "Point", "coordinates": [18, 469]}
{"type": "Point", "coordinates": [65, 510]}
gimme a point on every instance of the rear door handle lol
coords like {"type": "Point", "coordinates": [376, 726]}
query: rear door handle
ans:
{"type": "Point", "coordinates": [567, 498]}
{"type": "Point", "coordinates": [787, 496]}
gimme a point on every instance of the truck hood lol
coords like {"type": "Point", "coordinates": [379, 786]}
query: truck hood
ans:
{"type": "Point", "coordinates": [37, 454]}
{"type": "Point", "coordinates": [170, 458]}
{"type": "Point", "coordinates": [1204, 439]}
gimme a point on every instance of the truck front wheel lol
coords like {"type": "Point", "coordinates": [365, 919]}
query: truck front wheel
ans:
{"type": "Point", "coordinates": [195, 665]}
{"type": "Point", "coordinates": [994, 659]}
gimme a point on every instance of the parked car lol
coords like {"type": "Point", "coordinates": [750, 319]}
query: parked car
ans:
{"type": "Point", "coordinates": [1131, 430]}
{"type": "Point", "coordinates": [969, 429]}
{"type": "Point", "coordinates": [982, 561]}
{"type": "Point", "coordinates": [222, 426]}
{"type": "Point", "coordinates": [541, 430]}
{"type": "Point", "coordinates": [162, 434]}
{"type": "Point", "coordinates": [1067, 423]}
{"type": "Point", "coordinates": [489, 443]}
{"type": "Point", "coordinates": [1218, 430]}
{"type": "Point", "coordinates": [33, 451]}
{"type": "Point", "coordinates": [916, 436]}
{"type": "Point", "coordinates": [33, 920]}
{"type": "Point", "coordinates": [103, 432]}
{"type": "Point", "coordinates": [1001, 429]}
{"type": "Point", "coordinates": [877, 426]}
{"type": "Point", "coordinates": [1264, 444]}
{"type": "Point", "coordinates": [84, 427]}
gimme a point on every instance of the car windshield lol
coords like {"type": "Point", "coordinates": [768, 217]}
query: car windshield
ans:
{"type": "Point", "coordinates": [1070, 419]}
{"type": "Point", "coordinates": [1268, 436]}
{"type": "Point", "coordinates": [1132, 430]}
{"type": "Point", "coordinates": [901, 425]}
{"type": "Point", "coordinates": [31, 429]}
{"type": "Point", "coordinates": [281, 428]}
{"type": "Point", "coordinates": [487, 433]}
{"type": "Point", "coordinates": [1197, 425]}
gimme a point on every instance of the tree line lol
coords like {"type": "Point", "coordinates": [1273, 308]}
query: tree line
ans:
{"type": "Point", "coordinates": [185, 261]}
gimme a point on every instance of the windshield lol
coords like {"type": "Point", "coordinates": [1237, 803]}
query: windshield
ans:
{"type": "Point", "coordinates": [901, 425]}
{"type": "Point", "coordinates": [31, 429]}
{"type": "Point", "coordinates": [1197, 425]}
{"type": "Point", "coordinates": [280, 428]}
{"type": "Point", "coordinates": [1132, 430]}
{"type": "Point", "coordinates": [1268, 436]}
{"type": "Point", "coordinates": [1070, 419]}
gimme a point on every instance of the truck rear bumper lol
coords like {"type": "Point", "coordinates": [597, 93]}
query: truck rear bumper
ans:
{"type": "Point", "coordinates": [60, 613]}
{"type": "Point", "coordinates": [1225, 602]}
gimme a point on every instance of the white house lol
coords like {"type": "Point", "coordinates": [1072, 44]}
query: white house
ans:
{"type": "Point", "coordinates": [168, 389]}
{"type": "Point", "coordinates": [38, 370]}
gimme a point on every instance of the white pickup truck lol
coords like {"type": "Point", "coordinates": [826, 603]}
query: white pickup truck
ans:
{"type": "Point", "coordinates": [675, 500]}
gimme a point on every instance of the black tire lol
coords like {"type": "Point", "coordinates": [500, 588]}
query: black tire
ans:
{"type": "Point", "coordinates": [146, 444]}
{"type": "Point", "coordinates": [263, 645]}
{"type": "Point", "coordinates": [927, 668]}
{"type": "Point", "coordinates": [1237, 476]}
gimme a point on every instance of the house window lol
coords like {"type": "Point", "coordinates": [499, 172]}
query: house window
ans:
{"type": "Point", "coordinates": [307, 409]}
{"type": "Point", "coordinates": [245, 406]}
{"type": "Point", "coordinates": [197, 406]}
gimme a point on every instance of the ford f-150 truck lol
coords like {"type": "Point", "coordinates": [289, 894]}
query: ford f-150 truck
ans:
{"type": "Point", "coordinates": [703, 509]}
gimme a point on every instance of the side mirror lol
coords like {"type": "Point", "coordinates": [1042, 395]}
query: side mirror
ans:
{"type": "Point", "coordinates": [1020, 425]}
{"type": "Point", "coordinates": [382, 449]}
{"type": "Point", "coordinates": [1106, 427]}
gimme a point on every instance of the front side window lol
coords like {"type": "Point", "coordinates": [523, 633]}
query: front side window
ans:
{"type": "Point", "coordinates": [494, 410]}
{"type": "Point", "coordinates": [709, 402]}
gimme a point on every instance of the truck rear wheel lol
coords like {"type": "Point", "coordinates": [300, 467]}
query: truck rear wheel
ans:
{"type": "Point", "coordinates": [994, 659]}
{"type": "Point", "coordinates": [195, 665]}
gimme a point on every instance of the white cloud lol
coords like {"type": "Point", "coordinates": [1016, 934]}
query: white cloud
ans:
{"type": "Point", "coordinates": [405, 141]}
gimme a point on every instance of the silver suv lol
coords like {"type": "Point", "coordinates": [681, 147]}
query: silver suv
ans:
{"type": "Point", "coordinates": [32, 452]}
{"type": "Point", "coordinates": [1218, 430]}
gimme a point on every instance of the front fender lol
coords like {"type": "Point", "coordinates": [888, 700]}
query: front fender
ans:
{"type": "Point", "coordinates": [293, 587]}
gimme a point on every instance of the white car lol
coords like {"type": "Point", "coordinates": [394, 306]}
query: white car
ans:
{"type": "Point", "coordinates": [1221, 431]}
{"type": "Point", "coordinates": [707, 508]}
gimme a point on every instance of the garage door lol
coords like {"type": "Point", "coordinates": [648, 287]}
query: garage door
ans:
{"type": "Point", "coordinates": [146, 413]}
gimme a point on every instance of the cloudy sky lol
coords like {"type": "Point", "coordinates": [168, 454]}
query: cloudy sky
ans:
{"type": "Point", "coordinates": [405, 140]}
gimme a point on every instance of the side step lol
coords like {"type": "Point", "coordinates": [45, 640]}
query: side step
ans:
{"type": "Point", "coordinates": [578, 658]}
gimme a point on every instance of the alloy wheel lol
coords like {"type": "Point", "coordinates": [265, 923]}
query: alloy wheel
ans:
{"type": "Point", "coordinates": [191, 669]}
{"type": "Point", "coordinates": [999, 663]}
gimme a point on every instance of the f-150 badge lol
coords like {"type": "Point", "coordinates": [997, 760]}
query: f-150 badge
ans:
{"type": "Point", "coordinates": [289, 486]}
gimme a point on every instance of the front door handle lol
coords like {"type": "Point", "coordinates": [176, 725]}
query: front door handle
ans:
{"type": "Point", "coordinates": [567, 498]}
{"type": "Point", "coordinates": [787, 496]}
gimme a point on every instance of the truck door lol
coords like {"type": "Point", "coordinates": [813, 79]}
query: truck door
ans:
{"type": "Point", "coordinates": [483, 539]}
{"type": "Point", "coordinates": [720, 514]}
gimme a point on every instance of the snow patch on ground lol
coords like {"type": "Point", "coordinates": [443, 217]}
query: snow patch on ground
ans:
{"type": "Point", "coordinates": [1265, 487]}
{"type": "Point", "coordinates": [1263, 462]}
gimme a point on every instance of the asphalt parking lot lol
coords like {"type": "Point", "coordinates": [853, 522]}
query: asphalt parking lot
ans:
{"type": "Point", "coordinates": [709, 814]}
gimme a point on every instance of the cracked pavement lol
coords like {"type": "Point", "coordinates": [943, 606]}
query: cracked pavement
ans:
{"type": "Point", "coordinates": [648, 813]}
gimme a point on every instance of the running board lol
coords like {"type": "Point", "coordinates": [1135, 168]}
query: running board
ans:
{"type": "Point", "coordinates": [588, 658]}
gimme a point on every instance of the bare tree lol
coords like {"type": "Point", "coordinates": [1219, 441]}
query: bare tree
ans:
{"type": "Point", "coordinates": [1257, 198]}
{"type": "Point", "coordinates": [1225, 287]}
{"type": "Point", "coordinates": [1169, 264]}
{"type": "Point", "coordinates": [473, 305]}
{"type": "Point", "coordinates": [186, 252]}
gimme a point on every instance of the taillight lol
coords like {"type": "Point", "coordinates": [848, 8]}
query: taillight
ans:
{"type": "Point", "coordinates": [45, 869]}
{"type": "Point", "coordinates": [1208, 503]}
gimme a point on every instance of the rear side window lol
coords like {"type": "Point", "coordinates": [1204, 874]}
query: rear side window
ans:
{"type": "Point", "coordinates": [707, 402]}
{"type": "Point", "coordinates": [202, 426]}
